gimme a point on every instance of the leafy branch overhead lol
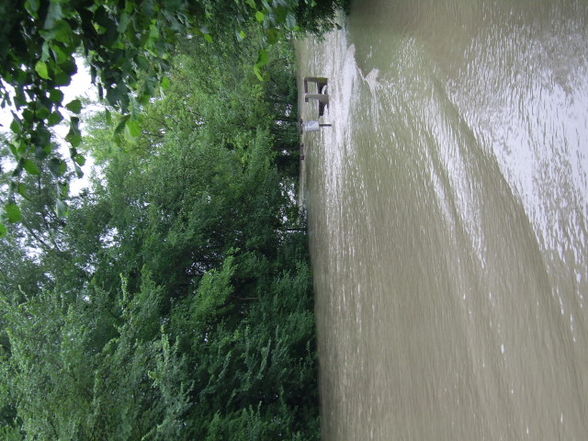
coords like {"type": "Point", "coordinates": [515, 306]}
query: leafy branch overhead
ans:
{"type": "Point", "coordinates": [128, 46]}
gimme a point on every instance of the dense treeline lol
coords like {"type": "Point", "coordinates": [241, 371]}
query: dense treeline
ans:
{"type": "Point", "coordinates": [174, 302]}
{"type": "Point", "coordinates": [128, 46]}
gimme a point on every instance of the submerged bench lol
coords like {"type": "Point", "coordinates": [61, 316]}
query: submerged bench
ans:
{"type": "Point", "coordinates": [321, 96]}
{"type": "Point", "coordinates": [319, 81]}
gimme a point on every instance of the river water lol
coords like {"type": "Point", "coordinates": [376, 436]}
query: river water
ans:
{"type": "Point", "coordinates": [448, 208]}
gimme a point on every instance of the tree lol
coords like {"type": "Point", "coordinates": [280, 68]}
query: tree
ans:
{"type": "Point", "coordinates": [175, 301]}
{"type": "Point", "coordinates": [128, 46]}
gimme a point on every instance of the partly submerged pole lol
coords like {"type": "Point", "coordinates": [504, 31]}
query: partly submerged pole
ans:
{"type": "Point", "coordinates": [312, 125]}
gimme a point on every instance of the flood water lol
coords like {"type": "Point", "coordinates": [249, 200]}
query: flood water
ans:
{"type": "Point", "coordinates": [448, 209]}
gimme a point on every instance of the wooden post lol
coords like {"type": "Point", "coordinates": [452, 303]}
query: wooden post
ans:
{"type": "Point", "coordinates": [312, 126]}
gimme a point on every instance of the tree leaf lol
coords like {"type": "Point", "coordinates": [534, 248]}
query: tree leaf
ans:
{"type": "Point", "coordinates": [74, 123]}
{"type": "Point", "coordinates": [62, 190]}
{"type": "Point", "coordinates": [60, 55]}
{"type": "Point", "coordinates": [22, 190]}
{"type": "Point", "coordinates": [62, 32]}
{"type": "Point", "coordinates": [61, 208]}
{"type": "Point", "coordinates": [28, 116]}
{"type": "Point", "coordinates": [42, 111]}
{"type": "Point", "coordinates": [14, 150]}
{"type": "Point", "coordinates": [19, 98]}
{"type": "Point", "coordinates": [32, 7]}
{"type": "Point", "coordinates": [57, 167]}
{"type": "Point", "coordinates": [257, 72]}
{"type": "Point", "coordinates": [16, 126]}
{"type": "Point", "coordinates": [273, 36]}
{"type": "Point", "coordinates": [79, 171]}
{"type": "Point", "coordinates": [54, 13]}
{"type": "Point", "coordinates": [13, 213]}
{"type": "Point", "coordinates": [133, 128]}
{"type": "Point", "coordinates": [62, 79]}
{"type": "Point", "coordinates": [69, 66]}
{"type": "Point", "coordinates": [259, 16]}
{"type": "Point", "coordinates": [45, 51]}
{"type": "Point", "coordinates": [54, 119]}
{"type": "Point", "coordinates": [121, 124]}
{"type": "Point", "coordinates": [42, 70]}
{"type": "Point", "coordinates": [262, 58]}
{"type": "Point", "coordinates": [3, 230]}
{"type": "Point", "coordinates": [74, 138]}
{"type": "Point", "coordinates": [80, 159]}
{"type": "Point", "coordinates": [74, 106]}
{"type": "Point", "coordinates": [56, 95]}
{"type": "Point", "coordinates": [31, 167]}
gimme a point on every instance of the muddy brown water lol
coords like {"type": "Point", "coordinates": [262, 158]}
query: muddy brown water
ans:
{"type": "Point", "coordinates": [448, 208]}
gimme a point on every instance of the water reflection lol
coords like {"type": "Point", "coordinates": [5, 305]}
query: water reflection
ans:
{"type": "Point", "coordinates": [448, 208]}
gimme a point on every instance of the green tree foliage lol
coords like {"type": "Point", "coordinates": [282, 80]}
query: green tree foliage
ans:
{"type": "Point", "coordinates": [175, 301]}
{"type": "Point", "coordinates": [128, 46]}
